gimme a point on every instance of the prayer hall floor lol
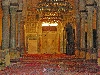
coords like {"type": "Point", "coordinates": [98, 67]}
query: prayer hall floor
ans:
{"type": "Point", "coordinates": [51, 64]}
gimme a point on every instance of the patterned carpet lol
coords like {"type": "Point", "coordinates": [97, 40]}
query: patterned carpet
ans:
{"type": "Point", "coordinates": [51, 64]}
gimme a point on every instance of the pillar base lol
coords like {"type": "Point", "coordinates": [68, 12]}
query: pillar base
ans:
{"type": "Point", "coordinates": [88, 56]}
{"type": "Point", "coordinates": [77, 52]}
{"type": "Point", "coordinates": [2, 64]}
{"type": "Point", "coordinates": [14, 54]}
{"type": "Point", "coordinates": [7, 58]}
{"type": "Point", "coordinates": [82, 54]}
{"type": "Point", "coordinates": [94, 56]}
{"type": "Point", "coordinates": [4, 59]}
{"type": "Point", "coordinates": [98, 61]}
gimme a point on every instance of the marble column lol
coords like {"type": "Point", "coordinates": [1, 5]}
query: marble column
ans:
{"type": "Point", "coordinates": [19, 16]}
{"type": "Point", "coordinates": [5, 57]}
{"type": "Point", "coordinates": [90, 10]}
{"type": "Point", "coordinates": [98, 30]}
{"type": "Point", "coordinates": [13, 9]}
{"type": "Point", "coordinates": [19, 13]}
{"type": "Point", "coordinates": [82, 10]}
{"type": "Point", "coordinates": [82, 41]}
{"type": "Point", "coordinates": [77, 24]}
{"type": "Point", "coordinates": [5, 24]}
{"type": "Point", "coordinates": [80, 14]}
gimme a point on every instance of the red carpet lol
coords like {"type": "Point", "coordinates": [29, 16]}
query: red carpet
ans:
{"type": "Point", "coordinates": [48, 64]}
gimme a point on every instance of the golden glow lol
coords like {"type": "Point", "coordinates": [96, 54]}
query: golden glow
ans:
{"type": "Point", "coordinates": [45, 24]}
{"type": "Point", "coordinates": [49, 24]}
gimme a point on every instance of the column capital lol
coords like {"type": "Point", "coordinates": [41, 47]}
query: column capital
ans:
{"type": "Point", "coordinates": [82, 4]}
{"type": "Point", "coordinates": [14, 4]}
{"type": "Point", "coordinates": [89, 2]}
{"type": "Point", "coordinates": [6, 7]}
{"type": "Point", "coordinates": [90, 8]}
{"type": "Point", "coordinates": [13, 8]}
{"type": "Point", "coordinates": [20, 2]}
{"type": "Point", "coordinates": [98, 2]}
{"type": "Point", "coordinates": [5, 3]}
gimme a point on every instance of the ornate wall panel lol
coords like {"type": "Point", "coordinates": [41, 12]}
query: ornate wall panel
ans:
{"type": "Point", "coordinates": [32, 47]}
{"type": "Point", "coordinates": [31, 27]}
{"type": "Point", "coordinates": [49, 42]}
